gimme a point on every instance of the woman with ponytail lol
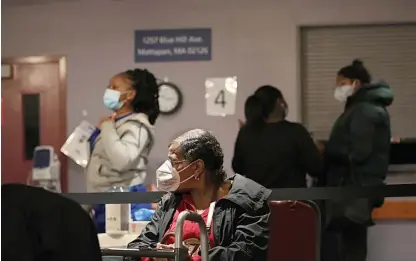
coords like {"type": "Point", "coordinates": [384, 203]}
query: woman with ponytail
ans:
{"type": "Point", "coordinates": [271, 150]}
{"type": "Point", "coordinates": [357, 154]}
{"type": "Point", "coordinates": [122, 142]}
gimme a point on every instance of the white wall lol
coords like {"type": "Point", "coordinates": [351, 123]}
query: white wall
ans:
{"type": "Point", "coordinates": [254, 40]}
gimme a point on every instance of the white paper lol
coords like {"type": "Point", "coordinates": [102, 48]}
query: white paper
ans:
{"type": "Point", "coordinates": [220, 96]}
{"type": "Point", "coordinates": [76, 146]}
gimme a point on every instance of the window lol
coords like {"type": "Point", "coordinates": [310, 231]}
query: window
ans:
{"type": "Point", "coordinates": [31, 123]}
{"type": "Point", "coordinates": [388, 52]}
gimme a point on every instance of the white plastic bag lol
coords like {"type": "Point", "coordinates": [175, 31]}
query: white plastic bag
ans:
{"type": "Point", "coordinates": [76, 146]}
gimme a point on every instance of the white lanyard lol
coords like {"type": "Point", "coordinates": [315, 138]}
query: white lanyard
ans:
{"type": "Point", "coordinates": [209, 218]}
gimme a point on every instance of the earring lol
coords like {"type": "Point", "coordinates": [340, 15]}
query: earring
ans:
{"type": "Point", "coordinates": [197, 178]}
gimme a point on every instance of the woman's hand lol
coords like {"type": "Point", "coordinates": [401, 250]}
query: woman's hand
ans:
{"type": "Point", "coordinates": [104, 119]}
{"type": "Point", "coordinates": [241, 123]}
{"type": "Point", "coordinates": [320, 146]}
{"type": "Point", "coordinates": [162, 246]}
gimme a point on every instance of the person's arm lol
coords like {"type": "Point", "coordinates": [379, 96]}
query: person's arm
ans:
{"type": "Point", "coordinates": [237, 162]}
{"type": "Point", "coordinates": [123, 151]}
{"type": "Point", "coordinates": [365, 124]}
{"type": "Point", "coordinates": [250, 241]}
{"type": "Point", "coordinates": [362, 129]}
{"type": "Point", "coordinates": [309, 154]}
{"type": "Point", "coordinates": [149, 237]}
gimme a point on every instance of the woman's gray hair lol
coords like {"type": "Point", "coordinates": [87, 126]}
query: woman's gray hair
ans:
{"type": "Point", "coordinates": [203, 145]}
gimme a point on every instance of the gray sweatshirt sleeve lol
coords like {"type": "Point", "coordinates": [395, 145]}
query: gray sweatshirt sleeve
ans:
{"type": "Point", "coordinates": [124, 150]}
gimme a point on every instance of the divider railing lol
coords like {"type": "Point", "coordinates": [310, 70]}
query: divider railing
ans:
{"type": "Point", "coordinates": [180, 253]}
{"type": "Point", "coordinates": [316, 193]}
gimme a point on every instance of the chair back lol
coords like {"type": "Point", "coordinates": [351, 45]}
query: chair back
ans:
{"type": "Point", "coordinates": [295, 231]}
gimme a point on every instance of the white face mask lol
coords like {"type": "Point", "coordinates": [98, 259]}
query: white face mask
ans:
{"type": "Point", "coordinates": [167, 179]}
{"type": "Point", "coordinates": [342, 93]}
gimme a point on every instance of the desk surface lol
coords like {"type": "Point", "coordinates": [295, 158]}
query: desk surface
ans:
{"type": "Point", "coordinates": [107, 241]}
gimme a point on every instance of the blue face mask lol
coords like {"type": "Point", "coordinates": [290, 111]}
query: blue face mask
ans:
{"type": "Point", "coordinates": [112, 100]}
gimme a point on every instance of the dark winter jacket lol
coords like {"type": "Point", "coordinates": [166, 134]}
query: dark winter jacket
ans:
{"type": "Point", "coordinates": [240, 222]}
{"type": "Point", "coordinates": [358, 149]}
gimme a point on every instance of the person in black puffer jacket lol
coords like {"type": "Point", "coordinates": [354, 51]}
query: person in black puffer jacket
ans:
{"type": "Point", "coordinates": [357, 154]}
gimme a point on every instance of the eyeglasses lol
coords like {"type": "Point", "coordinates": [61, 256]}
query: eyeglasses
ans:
{"type": "Point", "coordinates": [175, 163]}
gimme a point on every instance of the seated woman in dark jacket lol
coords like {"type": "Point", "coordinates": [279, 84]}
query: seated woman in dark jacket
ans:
{"type": "Point", "coordinates": [195, 176]}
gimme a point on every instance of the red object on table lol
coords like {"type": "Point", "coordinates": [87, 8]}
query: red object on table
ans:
{"type": "Point", "coordinates": [190, 229]}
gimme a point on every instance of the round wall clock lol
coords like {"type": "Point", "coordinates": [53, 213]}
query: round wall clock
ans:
{"type": "Point", "coordinates": [170, 98]}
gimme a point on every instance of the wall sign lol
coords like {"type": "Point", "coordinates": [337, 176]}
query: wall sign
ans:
{"type": "Point", "coordinates": [220, 96]}
{"type": "Point", "coordinates": [172, 45]}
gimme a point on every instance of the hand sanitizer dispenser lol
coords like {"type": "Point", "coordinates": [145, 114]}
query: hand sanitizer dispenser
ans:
{"type": "Point", "coordinates": [119, 230]}
{"type": "Point", "coordinates": [117, 216]}
{"type": "Point", "coordinates": [46, 171]}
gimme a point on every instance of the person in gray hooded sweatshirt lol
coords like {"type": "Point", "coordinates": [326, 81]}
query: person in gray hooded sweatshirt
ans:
{"type": "Point", "coordinates": [122, 142]}
{"type": "Point", "coordinates": [357, 154]}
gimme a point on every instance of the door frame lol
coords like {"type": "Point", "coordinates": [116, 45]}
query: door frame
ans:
{"type": "Point", "coordinates": [62, 79]}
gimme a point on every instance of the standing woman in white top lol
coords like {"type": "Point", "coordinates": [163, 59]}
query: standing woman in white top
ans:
{"type": "Point", "coordinates": [122, 142]}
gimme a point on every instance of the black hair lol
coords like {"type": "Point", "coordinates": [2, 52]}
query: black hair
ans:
{"type": "Point", "coordinates": [259, 105]}
{"type": "Point", "coordinates": [203, 145]}
{"type": "Point", "coordinates": [147, 93]}
{"type": "Point", "coordinates": [356, 71]}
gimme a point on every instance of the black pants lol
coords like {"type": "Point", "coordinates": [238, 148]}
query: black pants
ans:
{"type": "Point", "coordinates": [353, 243]}
{"type": "Point", "coordinates": [350, 244]}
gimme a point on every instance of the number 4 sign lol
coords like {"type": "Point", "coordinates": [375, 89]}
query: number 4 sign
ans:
{"type": "Point", "coordinates": [220, 96]}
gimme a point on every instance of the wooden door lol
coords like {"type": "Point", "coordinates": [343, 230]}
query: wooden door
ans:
{"type": "Point", "coordinates": [34, 111]}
